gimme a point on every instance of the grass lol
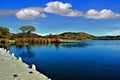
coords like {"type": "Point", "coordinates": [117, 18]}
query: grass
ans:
{"type": "Point", "coordinates": [11, 41]}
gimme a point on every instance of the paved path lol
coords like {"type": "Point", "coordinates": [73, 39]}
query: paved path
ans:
{"type": "Point", "coordinates": [13, 69]}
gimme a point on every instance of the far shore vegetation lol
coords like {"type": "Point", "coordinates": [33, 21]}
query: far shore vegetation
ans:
{"type": "Point", "coordinates": [27, 35]}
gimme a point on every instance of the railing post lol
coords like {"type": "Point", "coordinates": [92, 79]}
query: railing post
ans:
{"type": "Point", "coordinates": [33, 67]}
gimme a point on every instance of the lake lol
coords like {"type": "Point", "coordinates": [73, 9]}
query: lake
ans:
{"type": "Point", "coordinates": [89, 60]}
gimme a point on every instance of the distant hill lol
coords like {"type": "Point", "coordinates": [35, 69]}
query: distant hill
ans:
{"type": "Point", "coordinates": [65, 36]}
{"type": "Point", "coordinates": [82, 36]}
{"type": "Point", "coordinates": [77, 36]}
{"type": "Point", "coordinates": [109, 38]}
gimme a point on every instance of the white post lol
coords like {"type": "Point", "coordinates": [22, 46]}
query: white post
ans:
{"type": "Point", "coordinates": [13, 54]}
{"type": "Point", "coordinates": [5, 49]}
{"type": "Point", "coordinates": [49, 79]}
{"type": "Point", "coordinates": [33, 67]}
{"type": "Point", "coordinates": [20, 59]}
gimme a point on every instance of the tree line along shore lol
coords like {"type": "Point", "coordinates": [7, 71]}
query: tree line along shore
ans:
{"type": "Point", "coordinates": [27, 35]}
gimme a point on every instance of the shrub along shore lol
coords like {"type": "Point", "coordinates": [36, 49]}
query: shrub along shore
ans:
{"type": "Point", "coordinates": [27, 36]}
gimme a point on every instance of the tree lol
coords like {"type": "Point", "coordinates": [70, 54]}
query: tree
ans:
{"type": "Point", "coordinates": [27, 29]}
{"type": "Point", "coordinates": [57, 37]}
{"type": "Point", "coordinates": [23, 29]}
{"type": "Point", "coordinates": [50, 36]}
{"type": "Point", "coordinates": [30, 29]}
{"type": "Point", "coordinates": [0, 34]}
{"type": "Point", "coordinates": [4, 30]}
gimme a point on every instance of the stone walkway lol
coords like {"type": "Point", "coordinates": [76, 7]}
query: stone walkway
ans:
{"type": "Point", "coordinates": [13, 69]}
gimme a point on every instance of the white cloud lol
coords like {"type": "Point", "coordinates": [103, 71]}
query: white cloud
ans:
{"type": "Point", "coordinates": [113, 33]}
{"type": "Point", "coordinates": [63, 9]}
{"type": "Point", "coordinates": [30, 13]}
{"type": "Point", "coordinates": [59, 8]}
{"type": "Point", "coordinates": [103, 14]}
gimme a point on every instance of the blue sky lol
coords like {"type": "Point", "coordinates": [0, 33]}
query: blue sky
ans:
{"type": "Point", "coordinates": [97, 17]}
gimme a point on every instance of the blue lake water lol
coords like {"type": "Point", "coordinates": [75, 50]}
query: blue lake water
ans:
{"type": "Point", "coordinates": [90, 60]}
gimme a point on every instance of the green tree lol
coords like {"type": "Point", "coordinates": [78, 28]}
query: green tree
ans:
{"type": "Point", "coordinates": [27, 29]}
{"type": "Point", "coordinates": [30, 29]}
{"type": "Point", "coordinates": [23, 28]}
{"type": "Point", "coordinates": [4, 30]}
{"type": "Point", "coordinates": [0, 34]}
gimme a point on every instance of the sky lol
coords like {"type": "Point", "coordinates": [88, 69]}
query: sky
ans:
{"type": "Point", "coordinates": [96, 17]}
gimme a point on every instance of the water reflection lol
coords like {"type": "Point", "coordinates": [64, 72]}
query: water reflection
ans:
{"type": "Point", "coordinates": [5, 45]}
{"type": "Point", "coordinates": [90, 60]}
{"type": "Point", "coordinates": [57, 45]}
{"type": "Point", "coordinates": [28, 53]}
{"type": "Point", "coordinates": [71, 45]}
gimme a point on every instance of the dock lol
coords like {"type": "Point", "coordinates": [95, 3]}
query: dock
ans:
{"type": "Point", "coordinates": [14, 69]}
